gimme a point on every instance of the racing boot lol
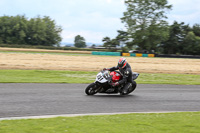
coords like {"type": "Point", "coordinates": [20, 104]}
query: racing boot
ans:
{"type": "Point", "coordinates": [125, 90]}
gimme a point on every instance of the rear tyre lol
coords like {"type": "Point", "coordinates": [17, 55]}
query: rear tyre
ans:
{"type": "Point", "coordinates": [134, 85]}
{"type": "Point", "coordinates": [92, 89]}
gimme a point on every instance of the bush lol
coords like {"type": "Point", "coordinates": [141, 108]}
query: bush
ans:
{"type": "Point", "coordinates": [49, 47]}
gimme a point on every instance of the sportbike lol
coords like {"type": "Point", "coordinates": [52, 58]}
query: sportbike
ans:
{"type": "Point", "coordinates": [104, 81]}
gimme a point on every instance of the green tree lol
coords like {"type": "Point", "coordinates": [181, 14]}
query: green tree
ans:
{"type": "Point", "coordinates": [79, 42]}
{"type": "Point", "coordinates": [52, 31]}
{"type": "Point", "coordinates": [36, 34]}
{"type": "Point", "coordinates": [122, 37]}
{"type": "Point", "coordinates": [111, 43]}
{"type": "Point", "coordinates": [107, 42]}
{"type": "Point", "coordinates": [36, 31]}
{"type": "Point", "coordinates": [191, 44]}
{"type": "Point", "coordinates": [144, 20]}
{"type": "Point", "coordinates": [19, 29]}
{"type": "Point", "coordinates": [196, 29]}
{"type": "Point", "coordinates": [177, 33]}
{"type": "Point", "coordinates": [43, 31]}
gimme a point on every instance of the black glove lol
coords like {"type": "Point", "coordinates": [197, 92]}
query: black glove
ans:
{"type": "Point", "coordinates": [106, 69]}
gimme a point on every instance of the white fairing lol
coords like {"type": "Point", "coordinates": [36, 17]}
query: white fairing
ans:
{"type": "Point", "coordinates": [100, 78]}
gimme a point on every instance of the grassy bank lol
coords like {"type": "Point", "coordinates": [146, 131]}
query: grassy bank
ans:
{"type": "Point", "coordinates": [128, 123]}
{"type": "Point", "coordinates": [47, 76]}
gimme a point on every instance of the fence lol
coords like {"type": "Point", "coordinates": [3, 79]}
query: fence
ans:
{"type": "Point", "coordinates": [123, 54]}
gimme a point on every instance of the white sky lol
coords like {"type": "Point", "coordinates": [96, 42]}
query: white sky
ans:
{"type": "Point", "coordinates": [92, 19]}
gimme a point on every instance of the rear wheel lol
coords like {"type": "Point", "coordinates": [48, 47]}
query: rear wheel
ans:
{"type": "Point", "coordinates": [131, 89]}
{"type": "Point", "coordinates": [92, 89]}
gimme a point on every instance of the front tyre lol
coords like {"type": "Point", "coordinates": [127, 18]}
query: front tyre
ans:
{"type": "Point", "coordinates": [92, 89]}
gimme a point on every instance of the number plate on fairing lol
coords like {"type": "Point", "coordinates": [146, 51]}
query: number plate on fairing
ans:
{"type": "Point", "coordinates": [100, 78]}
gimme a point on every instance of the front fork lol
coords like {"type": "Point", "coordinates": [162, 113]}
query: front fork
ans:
{"type": "Point", "coordinates": [99, 86]}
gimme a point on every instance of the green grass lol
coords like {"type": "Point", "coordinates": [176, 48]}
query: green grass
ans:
{"type": "Point", "coordinates": [45, 76]}
{"type": "Point", "coordinates": [179, 79]}
{"type": "Point", "coordinates": [187, 122]}
{"type": "Point", "coordinates": [49, 76]}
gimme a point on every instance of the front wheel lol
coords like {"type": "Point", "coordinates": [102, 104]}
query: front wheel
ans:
{"type": "Point", "coordinates": [92, 89]}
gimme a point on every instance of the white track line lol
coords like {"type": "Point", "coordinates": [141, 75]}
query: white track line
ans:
{"type": "Point", "coordinates": [75, 115]}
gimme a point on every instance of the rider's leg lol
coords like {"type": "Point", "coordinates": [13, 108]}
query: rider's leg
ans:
{"type": "Point", "coordinates": [125, 89]}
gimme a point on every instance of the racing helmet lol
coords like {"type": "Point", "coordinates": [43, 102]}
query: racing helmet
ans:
{"type": "Point", "coordinates": [122, 62]}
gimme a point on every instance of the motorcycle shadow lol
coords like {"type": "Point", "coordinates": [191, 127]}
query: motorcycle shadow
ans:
{"type": "Point", "coordinates": [115, 96]}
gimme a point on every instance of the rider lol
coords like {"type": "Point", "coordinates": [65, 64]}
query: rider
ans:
{"type": "Point", "coordinates": [125, 69]}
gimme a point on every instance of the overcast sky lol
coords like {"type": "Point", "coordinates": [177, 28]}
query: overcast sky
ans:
{"type": "Point", "coordinates": [92, 19]}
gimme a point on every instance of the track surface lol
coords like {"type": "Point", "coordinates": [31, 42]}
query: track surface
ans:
{"type": "Point", "coordinates": [18, 100]}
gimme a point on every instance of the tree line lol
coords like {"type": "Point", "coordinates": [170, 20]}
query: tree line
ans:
{"type": "Point", "coordinates": [35, 31]}
{"type": "Point", "coordinates": [146, 29]}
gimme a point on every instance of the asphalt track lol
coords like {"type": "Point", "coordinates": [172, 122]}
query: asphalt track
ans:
{"type": "Point", "coordinates": [19, 100]}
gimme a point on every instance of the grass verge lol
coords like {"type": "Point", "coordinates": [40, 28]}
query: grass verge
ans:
{"type": "Point", "coordinates": [49, 76]}
{"type": "Point", "coordinates": [187, 122]}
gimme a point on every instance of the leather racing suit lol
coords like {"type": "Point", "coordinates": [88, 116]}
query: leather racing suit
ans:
{"type": "Point", "coordinates": [127, 77]}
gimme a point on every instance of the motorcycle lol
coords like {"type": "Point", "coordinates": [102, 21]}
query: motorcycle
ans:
{"type": "Point", "coordinates": [104, 81]}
